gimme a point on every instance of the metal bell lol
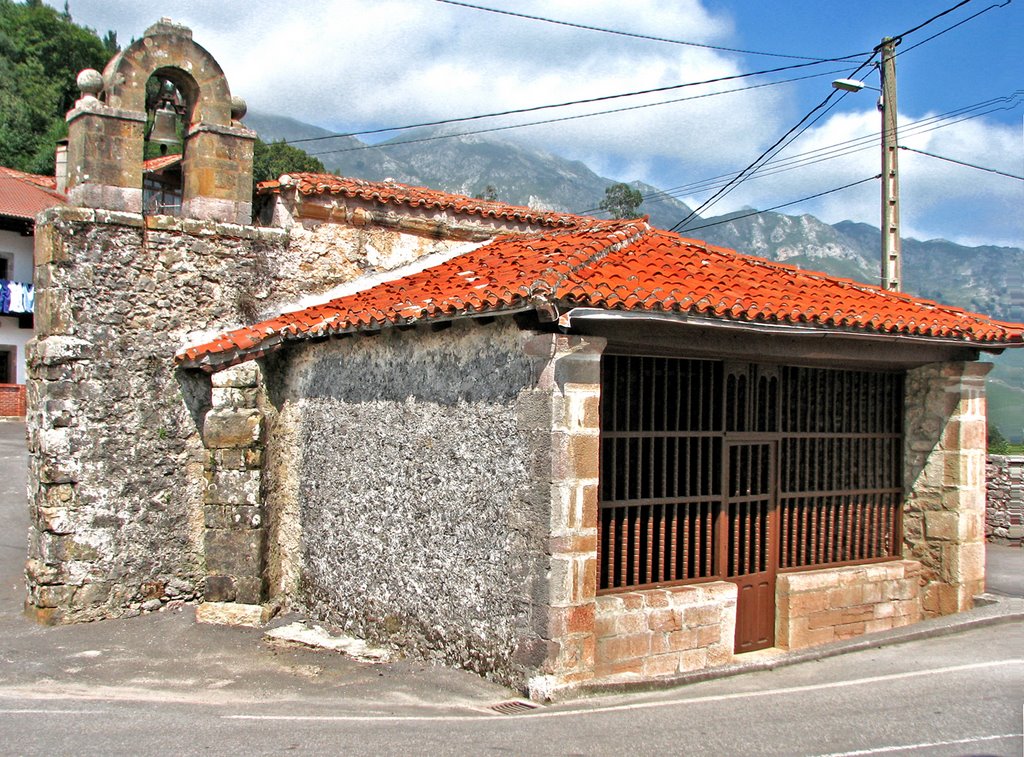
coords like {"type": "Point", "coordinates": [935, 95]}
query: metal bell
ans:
{"type": "Point", "coordinates": [165, 126]}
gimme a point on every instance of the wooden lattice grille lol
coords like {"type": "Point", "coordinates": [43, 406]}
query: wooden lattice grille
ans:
{"type": "Point", "coordinates": [670, 514]}
{"type": "Point", "coordinates": [661, 475]}
{"type": "Point", "coordinates": [840, 486]}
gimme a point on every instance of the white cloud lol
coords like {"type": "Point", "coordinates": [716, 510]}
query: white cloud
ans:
{"type": "Point", "coordinates": [937, 199]}
{"type": "Point", "coordinates": [354, 64]}
{"type": "Point", "coordinates": [347, 64]}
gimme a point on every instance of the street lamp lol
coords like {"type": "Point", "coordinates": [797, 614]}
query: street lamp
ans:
{"type": "Point", "coordinates": [891, 255]}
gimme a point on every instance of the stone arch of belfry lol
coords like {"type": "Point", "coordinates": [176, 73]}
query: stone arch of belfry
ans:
{"type": "Point", "coordinates": [106, 130]}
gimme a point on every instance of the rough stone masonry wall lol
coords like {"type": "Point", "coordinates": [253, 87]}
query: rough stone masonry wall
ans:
{"type": "Point", "coordinates": [420, 526]}
{"type": "Point", "coordinates": [944, 480]}
{"type": "Point", "coordinates": [664, 632]}
{"type": "Point", "coordinates": [235, 518]}
{"type": "Point", "coordinates": [117, 464]}
{"type": "Point", "coordinates": [820, 606]}
{"type": "Point", "coordinates": [1004, 500]}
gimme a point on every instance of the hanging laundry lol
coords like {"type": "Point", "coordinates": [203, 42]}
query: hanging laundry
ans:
{"type": "Point", "coordinates": [17, 303]}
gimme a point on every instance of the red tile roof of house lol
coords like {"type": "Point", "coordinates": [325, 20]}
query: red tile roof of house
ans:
{"type": "Point", "coordinates": [24, 195]}
{"type": "Point", "coordinates": [392, 193]}
{"type": "Point", "coordinates": [158, 164]}
{"type": "Point", "coordinates": [613, 265]}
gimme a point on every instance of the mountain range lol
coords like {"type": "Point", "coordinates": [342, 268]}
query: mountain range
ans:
{"type": "Point", "coordinates": [985, 279]}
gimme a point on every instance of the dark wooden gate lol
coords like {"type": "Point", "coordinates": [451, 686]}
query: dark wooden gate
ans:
{"type": "Point", "coordinates": [748, 546]}
{"type": "Point", "coordinates": [734, 471]}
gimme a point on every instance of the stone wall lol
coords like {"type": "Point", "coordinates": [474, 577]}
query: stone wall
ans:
{"type": "Point", "coordinates": [664, 632]}
{"type": "Point", "coordinates": [234, 542]}
{"type": "Point", "coordinates": [944, 481]}
{"type": "Point", "coordinates": [1004, 500]}
{"type": "Point", "coordinates": [820, 606]}
{"type": "Point", "coordinates": [118, 466]}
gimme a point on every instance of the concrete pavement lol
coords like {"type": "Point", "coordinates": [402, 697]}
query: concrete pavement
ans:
{"type": "Point", "coordinates": [167, 657]}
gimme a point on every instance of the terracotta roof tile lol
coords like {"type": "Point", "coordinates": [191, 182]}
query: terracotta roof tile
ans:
{"type": "Point", "coordinates": [24, 195]}
{"type": "Point", "coordinates": [615, 265]}
{"type": "Point", "coordinates": [160, 163]}
{"type": "Point", "coordinates": [393, 193]}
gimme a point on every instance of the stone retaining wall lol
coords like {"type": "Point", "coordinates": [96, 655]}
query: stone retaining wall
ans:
{"type": "Point", "coordinates": [662, 632]}
{"type": "Point", "coordinates": [819, 606]}
{"type": "Point", "coordinates": [1004, 501]}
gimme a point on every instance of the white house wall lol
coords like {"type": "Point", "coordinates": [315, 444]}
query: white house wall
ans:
{"type": "Point", "coordinates": [18, 249]}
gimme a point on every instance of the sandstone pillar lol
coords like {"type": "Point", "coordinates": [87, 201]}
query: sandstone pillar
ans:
{"type": "Point", "coordinates": [943, 523]}
{"type": "Point", "coordinates": [568, 393]}
{"type": "Point", "coordinates": [236, 535]}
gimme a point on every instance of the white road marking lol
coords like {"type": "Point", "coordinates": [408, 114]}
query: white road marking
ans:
{"type": "Point", "coordinates": [649, 705]}
{"type": "Point", "coordinates": [52, 712]}
{"type": "Point", "coordinates": [922, 745]}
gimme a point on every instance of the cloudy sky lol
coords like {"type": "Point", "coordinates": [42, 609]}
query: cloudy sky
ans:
{"type": "Point", "coordinates": [353, 65]}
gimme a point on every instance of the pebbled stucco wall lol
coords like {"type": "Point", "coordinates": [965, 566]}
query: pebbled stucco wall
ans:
{"type": "Point", "coordinates": [422, 525]}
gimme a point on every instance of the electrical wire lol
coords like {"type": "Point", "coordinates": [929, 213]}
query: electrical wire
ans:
{"type": "Point", "coordinates": [782, 143]}
{"type": "Point", "coordinates": [441, 122]}
{"type": "Point", "coordinates": [962, 163]}
{"type": "Point", "coordinates": [954, 26]}
{"type": "Point", "coordinates": [727, 189]}
{"type": "Point", "coordinates": [384, 145]}
{"type": "Point", "coordinates": [786, 204]}
{"type": "Point", "coordinates": [839, 149]}
{"type": "Point", "coordinates": [923, 24]}
{"type": "Point", "coordinates": [550, 106]}
{"type": "Point", "coordinates": [603, 30]}
{"type": "Point", "coordinates": [778, 145]}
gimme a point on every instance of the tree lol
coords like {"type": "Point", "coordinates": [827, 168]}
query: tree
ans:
{"type": "Point", "coordinates": [41, 52]}
{"type": "Point", "coordinates": [276, 158]}
{"type": "Point", "coordinates": [490, 193]}
{"type": "Point", "coordinates": [997, 443]}
{"type": "Point", "coordinates": [622, 201]}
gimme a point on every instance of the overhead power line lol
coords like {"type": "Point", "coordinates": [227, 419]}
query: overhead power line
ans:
{"type": "Point", "coordinates": [954, 26]}
{"type": "Point", "coordinates": [786, 204]}
{"type": "Point", "coordinates": [441, 122]}
{"type": "Point", "coordinates": [435, 137]}
{"type": "Point", "coordinates": [792, 134]}
{"type": "Point", "coordinates": [962, 163]}
{"type": "Point", "coordinates": [585, 101]}
{"type": "Point", "coordinates": [839, 149]}
{"type": "Point", "coordinates": [603, 30]}
{"type": "Point", "coordinates": [778, 145]}
{"type": "Point", "coordinates": [925, 23]}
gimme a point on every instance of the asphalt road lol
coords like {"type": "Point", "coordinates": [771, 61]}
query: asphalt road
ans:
{"type": "Point", "coordinates": [161, 684]}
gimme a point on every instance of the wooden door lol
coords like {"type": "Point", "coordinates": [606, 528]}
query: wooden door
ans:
{"type": "Point", "coordinates": [748, 547]}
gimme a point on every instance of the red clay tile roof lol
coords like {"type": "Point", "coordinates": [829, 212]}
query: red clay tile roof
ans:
{"type": "Point", "coordinates": [24, 195]}
{"type": "Point", "coordinates": [389, 192]}
{"type": "Point", "coordinates": [158, 164]}
{"type": "Point", "coordinates": [614, 265]}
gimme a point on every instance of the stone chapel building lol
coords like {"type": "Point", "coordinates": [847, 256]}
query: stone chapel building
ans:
{"type": "Point", "coordinates": [552, 449]}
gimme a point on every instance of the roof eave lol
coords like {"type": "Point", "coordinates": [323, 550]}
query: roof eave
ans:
{"type": "Point", "coordinates": [582, 314]}
{"type": "Point", "coordinates": [211, 362]}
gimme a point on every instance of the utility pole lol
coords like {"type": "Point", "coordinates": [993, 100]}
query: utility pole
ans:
{"type": "Point", "coordinates": [891, 255]}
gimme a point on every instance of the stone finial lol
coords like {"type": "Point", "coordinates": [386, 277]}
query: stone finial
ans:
{"type": "Point", "coordinates": [90, 82]}
{"type": "Point", "coordinates": [168, 26]}
{"type": "Point", "coordinates": [238, 108]}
